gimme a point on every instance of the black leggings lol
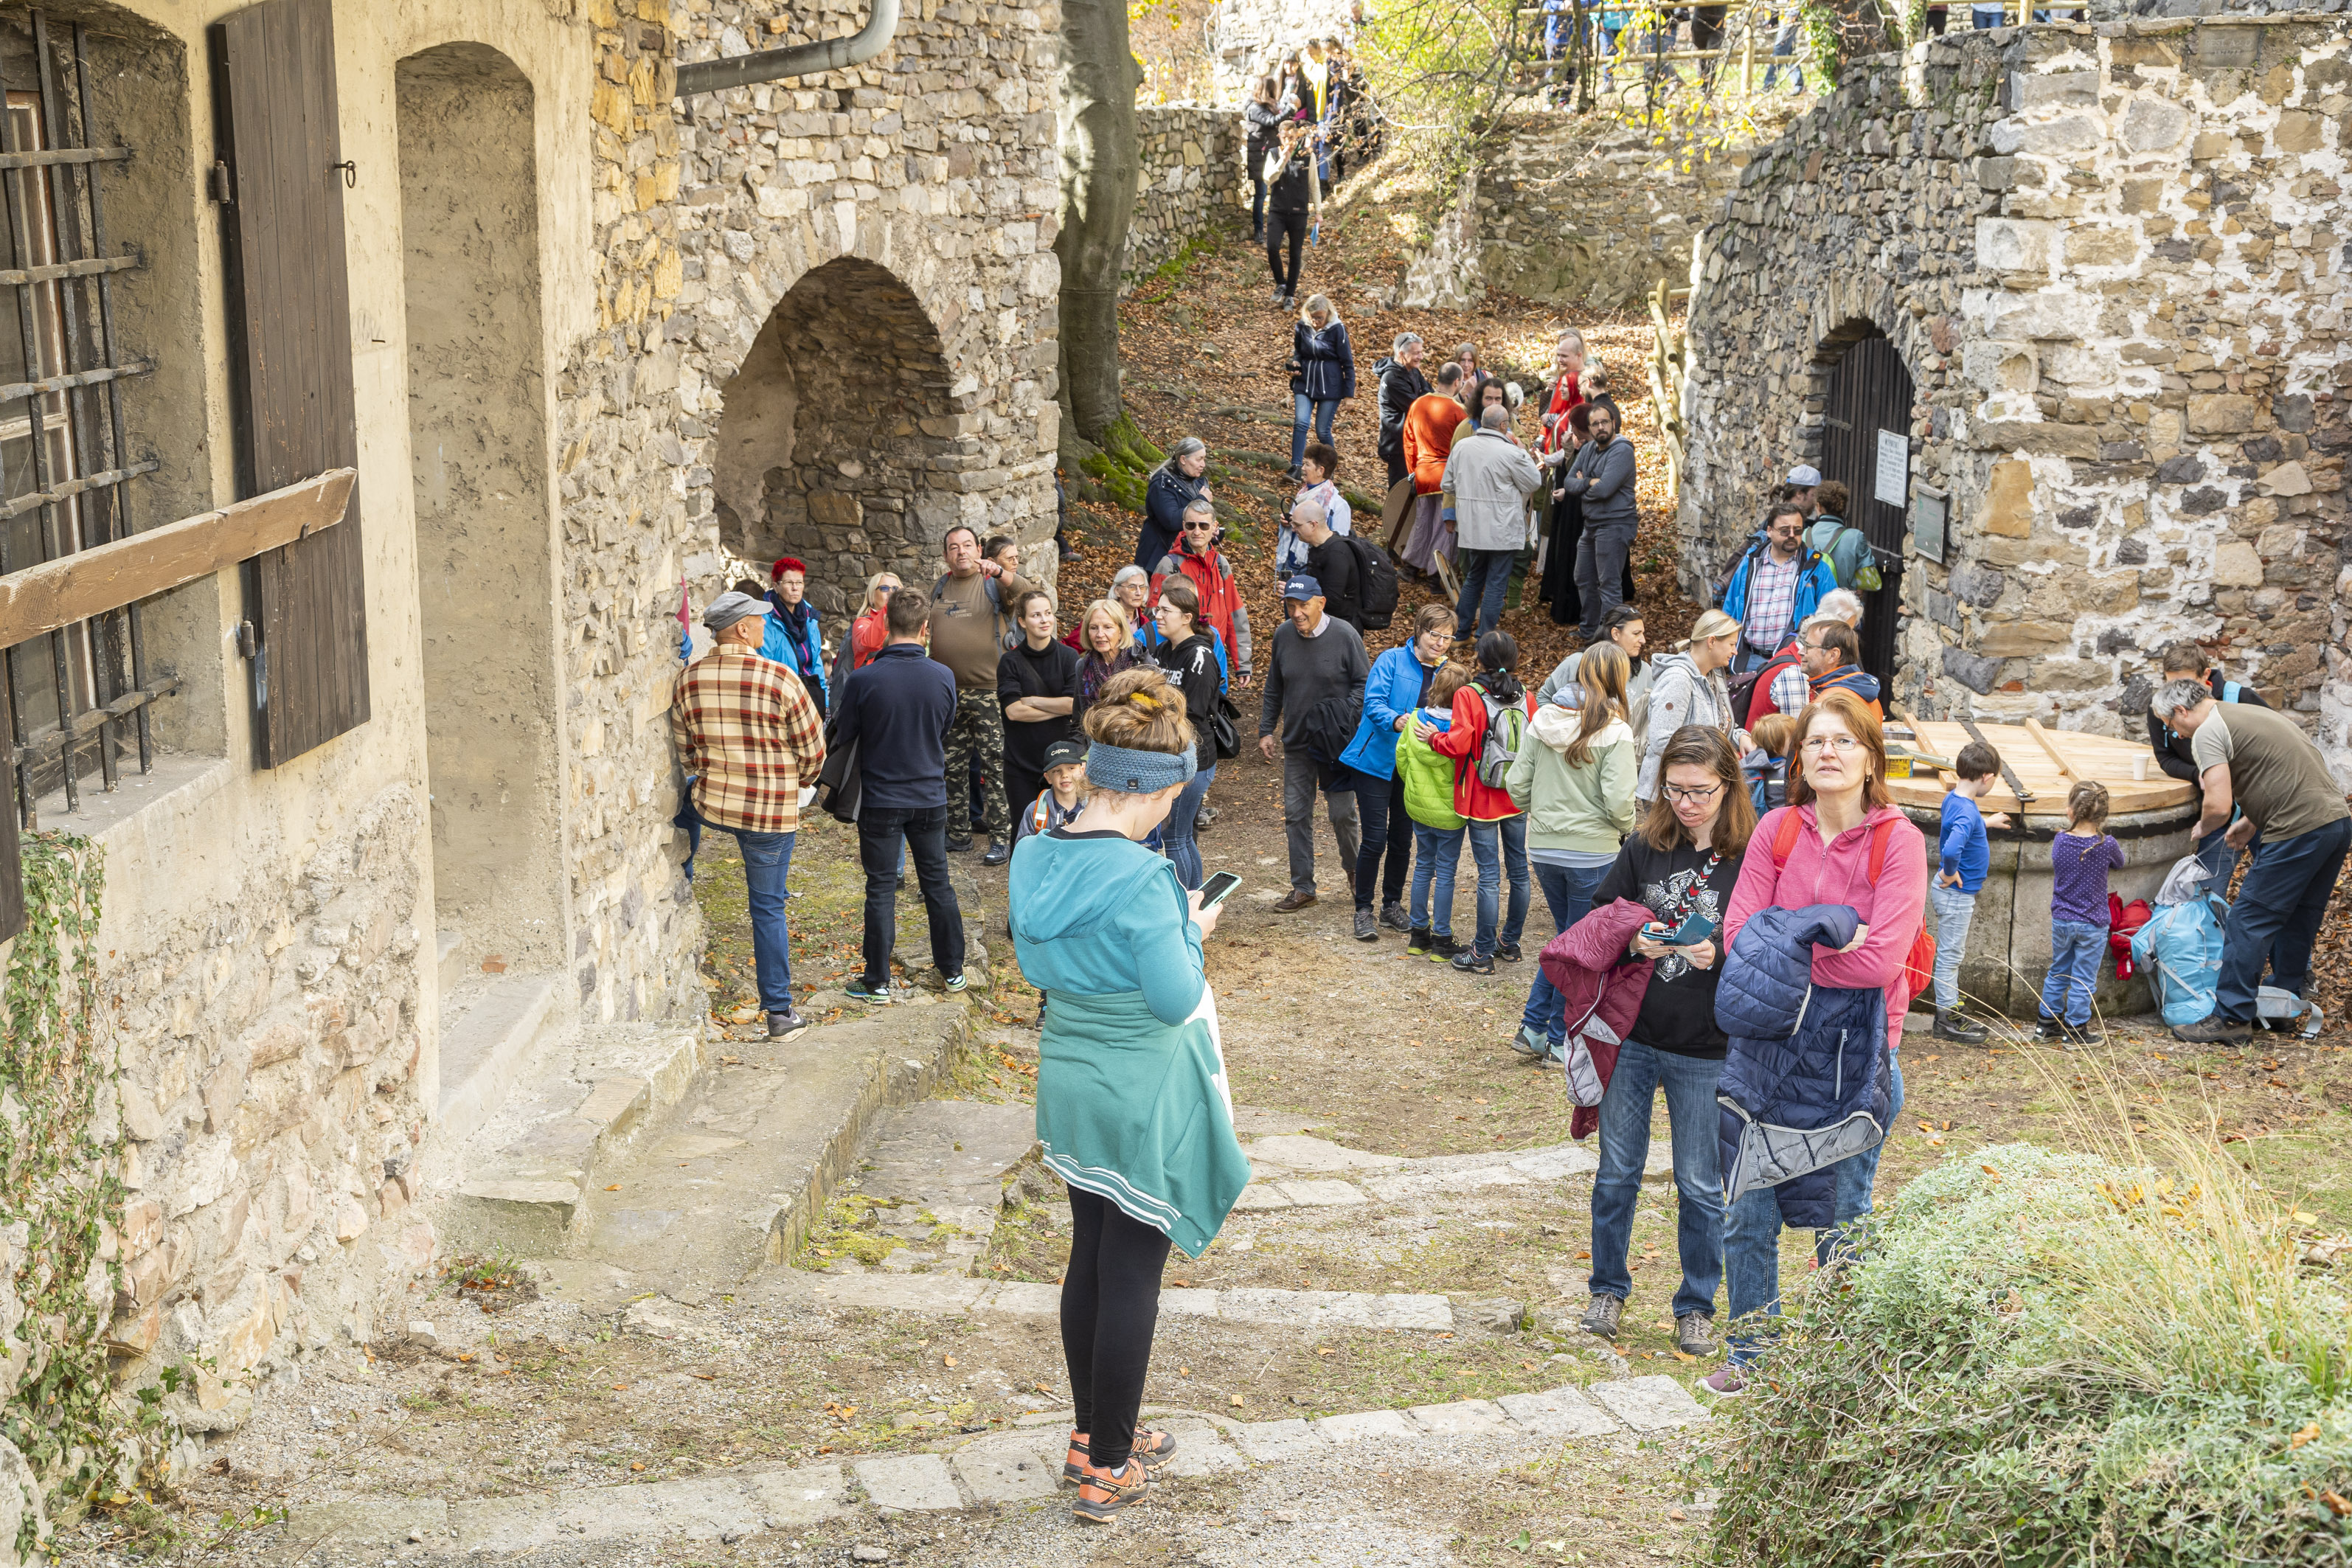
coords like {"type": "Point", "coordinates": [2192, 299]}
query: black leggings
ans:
{"type": "Point", "coordinates": [1278, 225]}
{"type": "Point", "coordinates": [1110, 1304]}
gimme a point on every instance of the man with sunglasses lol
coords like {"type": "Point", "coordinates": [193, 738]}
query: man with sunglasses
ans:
{"type": "Point", "coordinates": [1196, 557]}
{"type": "Point", "coordinates": [1777, 587]}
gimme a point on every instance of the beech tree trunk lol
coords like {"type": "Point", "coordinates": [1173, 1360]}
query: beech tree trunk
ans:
{"type": "Point", "coordinates": [1099, 169]}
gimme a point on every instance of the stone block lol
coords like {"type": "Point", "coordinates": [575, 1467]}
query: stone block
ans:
{"type": "Point", "coordinates": [1558, 1413]}
{"type": "Point", "coordinates": [1266, 1441]}
{"type": "Point", "coordinates": [2008, 500]}
{"type": "Point", "coordinates": [1188, 1303]}
{"type": "Point", "coordinates": [2014, 244]}
{"type": "Point", "coordinates": [1258, 1196]}
{"type": "Point", "coordinates": [2236, 564]}
{"type": "Point", "coordinates": [2102, 247]}
{"type": "Point", "coordinates": [2152, 125]}
{"type": "Point", "coordinates": [2014, 639]}
{"type": "Point", "coordinates": [2287, 480]}
{"type": "Point", "coordinates": [2072, 89]}
{"type": "Point", "coordinates": [1649, 1404]}
{"type": "Point", "coordinates": [1463, 1418]}
{"type": "Point", "coordinates": [2220, 413]}
{"type": "Point", "coordinates": [2064, 136]}
{"type": "Point", "coordinates": [916, 1482]}
{"type": "Point", "coordinates": [2297, 131]}
{"type": "Point", "coordinates": [2041, 438]}
{"type": "Point", "coordinates": [1011, 1466]}
{"type": "Point", "coordinates": [371, 1524]}
{"type": "Point", "coordinates": [787, 1498]}
{"type": "Point", "coordinates": [1359, 1425]}
{"type": "Point", "coordinates": [1322, 1194]}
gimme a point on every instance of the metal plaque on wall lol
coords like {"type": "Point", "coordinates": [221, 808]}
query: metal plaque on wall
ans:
{"type": "Point", "coordinates": [1930, 513]}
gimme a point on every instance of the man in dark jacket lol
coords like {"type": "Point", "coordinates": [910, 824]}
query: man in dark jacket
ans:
{"type": "Point", "coordinates": [1400, 383]}
{"type": "Point", "coordinates": [1330, 561]}
{"type": "Point", "coordinates": [1317, 657]}
{"type": "Point", "coordinates": [1603, 474]}
{"type": "Point", "coordinates": [896, 711]}
{"type": "Point", "coordinates": [1294, 204]}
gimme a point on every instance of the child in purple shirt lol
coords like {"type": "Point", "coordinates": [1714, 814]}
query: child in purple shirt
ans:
{"type": "Point", "coordinates": [2080, 860]}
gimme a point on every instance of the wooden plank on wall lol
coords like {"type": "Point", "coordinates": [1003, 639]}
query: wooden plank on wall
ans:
{"type": "Point", "coordinates": [74, 587]}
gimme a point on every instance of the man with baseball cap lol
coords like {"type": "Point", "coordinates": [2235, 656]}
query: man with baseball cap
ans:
{"type": "Point", "coordinates": [1314, 687]}
{"type": "Point", "coordinates": [748, 733]}
{"type": "Point", "coordinates": [1804, 488]}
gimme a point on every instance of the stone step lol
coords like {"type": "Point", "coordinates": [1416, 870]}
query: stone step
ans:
{"type": "Point", "coordinates": [530, 1175]}
{"type": "Point", "coordinates": [937, 1173]}
{"type": "Point", "coordinates": [732, 1176]}
{"type": "Point", "coordinates": [1299, 1172]}
{"type": "Point", "coordinates": [488, 1038]}
{"type": "Point", "coordinates": [993, 1470]}
{"type": "Point", "coordinates": [942, 1294]}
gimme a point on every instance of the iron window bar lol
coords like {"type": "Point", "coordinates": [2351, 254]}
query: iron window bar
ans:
{"type": "Point", "coordinates": [62, 275]}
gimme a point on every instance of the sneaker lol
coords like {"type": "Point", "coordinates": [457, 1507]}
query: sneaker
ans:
{"type": "Point", "coordinates": [1416, 942]}
{"type": "Point", "coordinates": [1528, 1043]}
{"type": "Point", "coordinates": [786, 1026]}
{"type": "Point", "coordinates": [960, 982]}
{"type": "Point", "coordinates": [858, 991]}
{"type": "Point", "coordinates": [958, 846]}
{"type": "Point", "coordinates": [1725, 1380]}
{"type": "Point", "coordinates": [1471, 964]}
{"type": "Point", "coordinates": [1103, 1492]}
{"type": "Point", "coordinates": [1208, 815]}
{"type": "Point", "coordinates": [1392, 916]}
{"type": "Point", "coordinates": [998, 854]}
{"type": "Point", "coordinates": [2088, 1034]}
{"type": "Point", "coordinates": [1955, 1026]}
{"type": "Point", "coordinates": [1277, 296]}
{"type": "Point", "coordinates": [1509, 952]}
{"type": "Point", "coordinates": [1601, 1318]}
{"type": "Point", "coordinates": [1695, 1334]}
{"type": "Point", "coordinates": [1367, 928]}
{"type": "Point", "coordinates": [2048, 1029]}
{"type": "Point", "coordinates": [1444, 949]}
{"type": "Point", "coordinates": [2215, 1030]}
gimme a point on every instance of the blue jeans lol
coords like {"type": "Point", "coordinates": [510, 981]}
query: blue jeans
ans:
{"type": "Point", "coordinates": [1176, 835]}
{"type": "Point", "coordinates": [1784, 46]}
{"type": "Point", "coordinates": [1751, 1239]}
{"type": "Point", "coordinates": [2277, 915]}
{"type": "Point", "coordinates": [1954, 912]}
{"type": "Point", "coordinates": [1436, 853]}
{"type": "Point", "coordinates": [1497, 847]}
{"type": "Point", "coordinates": [1568, 893]}
{"type": "Point", "coordinates": [2074, 950]}
{"type": "Point", "coordinates": [767, 857]}
{"type": "Point", "coordinates": [1301, 406]}
{"type": "Point", "coordinates": [1486, 582]}
{"type": "Point", "coordinates": [1691, 1122]}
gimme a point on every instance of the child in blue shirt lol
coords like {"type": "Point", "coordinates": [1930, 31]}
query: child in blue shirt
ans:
{"type": "Point", "coordinates": [2080, 860]}
{"type": "Point", "coordinates": [1963, 855]}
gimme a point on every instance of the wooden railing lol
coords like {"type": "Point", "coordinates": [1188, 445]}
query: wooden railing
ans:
{"type": "Point", "coordinates": [1669, 368]}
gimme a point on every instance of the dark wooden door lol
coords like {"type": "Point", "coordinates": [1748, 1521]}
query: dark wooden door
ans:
{"type": "Point", "coordinates": [1870, 392]}
{"type": "Point", "coordinates": [290, 314]}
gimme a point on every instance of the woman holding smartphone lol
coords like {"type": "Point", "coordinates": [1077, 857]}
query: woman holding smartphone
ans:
{"type": "Point", "coordinates": [1681, 863]}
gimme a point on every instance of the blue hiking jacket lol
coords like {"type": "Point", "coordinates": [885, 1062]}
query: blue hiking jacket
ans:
{"type": "Point", "coordinates": [1807, 1080]}
{"type": "Point", "coordinates": [1393, 688]}
{"type": "Point", "coordinates": [1815, 579]}
{"type": "Point", "coordinates": [804, 656]}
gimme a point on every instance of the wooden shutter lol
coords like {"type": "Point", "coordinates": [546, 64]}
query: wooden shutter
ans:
{"type": "Point", "coordinates": [290, 358]}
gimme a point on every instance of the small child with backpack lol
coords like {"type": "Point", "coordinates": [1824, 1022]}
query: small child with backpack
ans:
{"type": "Point", "coordinates": [1963, 856]}
{"type": "Point", "coordinates": [2080, 860]}
{"type": "Point", "coordinates": [1064, 791]}
{"type": "Point", "coordinates": [1490, 725]}
{"type": "Point", "coordinates": [1766, 766]}
{"type": "Point", "coordinates": [1437, 828]}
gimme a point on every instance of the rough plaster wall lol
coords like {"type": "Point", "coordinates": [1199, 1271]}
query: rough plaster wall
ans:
{"type": "Point", "coordinates": [478, 447]}
{"type": "Point", "coordinates": [2112, 259]}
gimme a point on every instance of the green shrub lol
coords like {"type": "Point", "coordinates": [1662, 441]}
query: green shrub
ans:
{"type": "Point", "coordinates": [2051, 1359]}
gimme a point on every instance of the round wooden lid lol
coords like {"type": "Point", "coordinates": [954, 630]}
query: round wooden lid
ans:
{"type": "Point", "coordinates": [2048, 762]}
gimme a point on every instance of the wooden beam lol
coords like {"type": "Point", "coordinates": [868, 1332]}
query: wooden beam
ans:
{"type": "Point", "coordinates": [2041, 736]}
{"type": "Point", "coordinates": [57, 594]}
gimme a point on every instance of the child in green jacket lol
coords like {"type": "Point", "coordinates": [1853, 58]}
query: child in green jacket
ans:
{"type": "Point", "coordinates": [1436, 825]}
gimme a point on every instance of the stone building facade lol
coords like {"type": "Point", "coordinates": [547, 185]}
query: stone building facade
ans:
{"type": "Point", "coordinates": [1195, 176]}
{"type": "Point", "coordinates": [2110, 260]}
{"type": "Point", "coordinates": [607, 348]}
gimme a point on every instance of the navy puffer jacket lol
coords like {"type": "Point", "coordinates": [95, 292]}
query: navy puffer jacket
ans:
{"type": "Point", "coordinates": [1327, 363]}
{"type": "Point", "coordinates": [1807, 1080]}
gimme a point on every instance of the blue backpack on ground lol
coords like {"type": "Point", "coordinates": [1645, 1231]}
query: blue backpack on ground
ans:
{"type": "Point", "coordinates": [2179, 950]}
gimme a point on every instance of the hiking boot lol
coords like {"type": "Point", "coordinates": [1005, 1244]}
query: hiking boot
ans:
{"type": "Point", "coordinates": [2049, 1029]}
{"type": "Point", "coordinates": [2090, 1034]}
{"type": "Point", "coordinates": [2215, 1030]}
{"type": "Point", "coordinates": [858, 991]}
{"type": "Point", "coordinates": [1292, 903]}
{"type": "Point", "coordinates": [1529, 1045]}
{"type": "Point", "coordinates": [1416, 942]}
{"type": "Point", "coordinates": [1392, 916]}
{"type": "Point", "coordinates": [1471, 964]}
{"type": "Point", "coordinates": [787, 1025]}
{"type": "Point", "coordinates": [1724, 1382]}
{"type": "Point", "coordinates": [998, 852]}
{"type": "Point", "coordinates": [1445, 950]}
{"type": "Point", "coordinates": [1103, 1492]}
{"type": "Point", "coordinates": [1601, 1318]}
{"type": "Point", "coordinates": [1695, 1334]}
{"type": "Point", "coordinates": [1509, 952]}
{"type": "Point", "coordinates": [958, 846]}
{"type": "Point", "coordinates": [1955, 1026]}
{"type": "Point", "coordinates": [1367, 928]}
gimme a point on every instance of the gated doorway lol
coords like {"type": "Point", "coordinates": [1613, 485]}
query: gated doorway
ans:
{"type": "Point", "coordinates": [1868, 397]}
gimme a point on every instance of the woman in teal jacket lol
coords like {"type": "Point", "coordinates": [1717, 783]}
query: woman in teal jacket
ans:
{"type": "Point", "coordinates": [1394, 688]}
{"type": "Point", "coordinates": [1132, 1107]}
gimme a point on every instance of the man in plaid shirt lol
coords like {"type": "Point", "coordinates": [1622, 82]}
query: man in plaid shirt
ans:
{"type": "Point", "coordinates": [748, 734]}
{"type": "Point", "coordinates": [1777, 587]}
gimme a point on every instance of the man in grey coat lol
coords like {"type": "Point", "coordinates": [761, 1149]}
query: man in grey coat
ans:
{"type": "Point", "coordinates": [1491, 477]}
{"type": "Point", "coordinates": [1603, 474]}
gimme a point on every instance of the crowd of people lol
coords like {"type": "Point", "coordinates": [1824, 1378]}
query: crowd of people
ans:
{"type": "Point", "coordinates": [1310, 120]}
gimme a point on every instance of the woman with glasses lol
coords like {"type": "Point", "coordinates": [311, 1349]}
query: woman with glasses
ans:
{"type": "Point", "coordinates": [1682, 865]}
{"type": "Point", "coordinates": [1840, 840]}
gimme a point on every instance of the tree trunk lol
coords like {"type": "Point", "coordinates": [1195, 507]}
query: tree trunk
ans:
{"type": "Point", "coordinates": [1100, 168]}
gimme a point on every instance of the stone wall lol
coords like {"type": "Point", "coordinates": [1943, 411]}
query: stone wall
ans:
{"type": "Point", "coordinates": [1560, 214]}
{"type": "Point", "coordinates": [1246, 35]}
{"type": "Point", "coordinates": [2111, 258]}
{"type": "Point", "coordinates": [1195, 174]}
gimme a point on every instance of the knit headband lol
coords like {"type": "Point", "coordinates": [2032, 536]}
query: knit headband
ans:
{"type": "Point", "coordinates": [1137, 773]}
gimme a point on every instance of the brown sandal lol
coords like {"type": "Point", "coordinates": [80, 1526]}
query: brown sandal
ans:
{"type": "Point", "coordinates": [1103, 1492]}
{"type": "Point", "coordinates": [1156, 1449]}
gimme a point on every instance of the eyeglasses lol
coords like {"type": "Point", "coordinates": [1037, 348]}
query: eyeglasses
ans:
{"type": "Point", "coordinates": [1844, 745]}
{"type": "Point", "coordinates": [1680, 796]}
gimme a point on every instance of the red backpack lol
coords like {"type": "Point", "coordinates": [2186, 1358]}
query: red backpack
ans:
{"type": "Point", "coordinates": [1919, 963]}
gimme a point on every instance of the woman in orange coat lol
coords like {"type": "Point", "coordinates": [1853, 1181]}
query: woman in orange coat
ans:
{"type": "Point", "coordinates": [1429, 427]}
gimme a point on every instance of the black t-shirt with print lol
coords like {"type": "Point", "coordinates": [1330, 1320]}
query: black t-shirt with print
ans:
{"type": "Point", "coordinates": [1678, 1010]}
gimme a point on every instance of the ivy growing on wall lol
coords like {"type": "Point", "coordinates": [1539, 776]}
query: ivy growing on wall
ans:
{"type": "Point", "coordinates": [60, 1196]}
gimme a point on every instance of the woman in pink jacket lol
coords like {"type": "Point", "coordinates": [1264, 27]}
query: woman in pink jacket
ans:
{"type": "Point", "coordinates": [1839, 803]}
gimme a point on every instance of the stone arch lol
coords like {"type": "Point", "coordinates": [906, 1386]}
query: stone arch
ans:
{"type": "Point", "coordinates": [838, 438]}
{"type": "Point", "coordinates": [1848, 313]}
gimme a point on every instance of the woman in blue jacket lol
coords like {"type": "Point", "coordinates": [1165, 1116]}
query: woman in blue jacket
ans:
{"type": "Point", "coordinates": [1132, 1111]}
{"type": "Point", "coordinates": [1399, 679]}
{"type": "Point", "coordinates": [1324, 374]}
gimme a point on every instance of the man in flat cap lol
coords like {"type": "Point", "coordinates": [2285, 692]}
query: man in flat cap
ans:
{"type": "Point", "coordinates": [748, 733]}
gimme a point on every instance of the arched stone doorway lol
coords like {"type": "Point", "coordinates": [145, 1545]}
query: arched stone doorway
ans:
{"type": "Point", "coordinates": [838, 441]}
{"type": "Point", "coordinates": [1866, 446]}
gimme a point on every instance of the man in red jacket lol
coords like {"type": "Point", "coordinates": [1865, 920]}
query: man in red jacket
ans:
{"type": "Point", "coordinates": [1196, 556]}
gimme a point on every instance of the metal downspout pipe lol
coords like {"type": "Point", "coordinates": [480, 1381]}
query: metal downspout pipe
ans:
{"type": "Point", "coordinates": [795, 60]}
